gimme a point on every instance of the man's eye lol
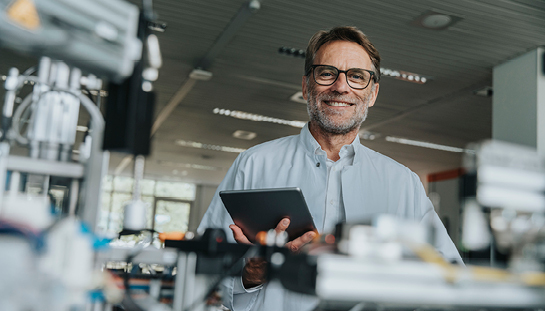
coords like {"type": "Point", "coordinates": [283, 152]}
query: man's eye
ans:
{"type": "Point", "coordinates": [357, 77]}
{"type": "Point", "coordinates": [326, 74]}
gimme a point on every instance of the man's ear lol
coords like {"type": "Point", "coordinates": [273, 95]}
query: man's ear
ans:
{"type": "Point", "coordinates": [374, 94]}
{"type": "Point", "coordinates": [304, 87]}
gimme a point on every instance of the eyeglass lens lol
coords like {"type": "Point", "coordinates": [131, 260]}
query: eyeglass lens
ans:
{"type": "Point", "coordinates": [356, 78]}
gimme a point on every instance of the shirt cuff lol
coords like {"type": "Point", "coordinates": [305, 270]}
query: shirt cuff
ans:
{"type": "Point", "coordinates": [238, 287]}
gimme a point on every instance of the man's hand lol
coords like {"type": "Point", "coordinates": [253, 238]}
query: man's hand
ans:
{"type": "Point", "coordinates": [254, 270]}
{"type": "Point", "coordinates": [298, 243]}
{"type": "Point", "coordinates": [238, 235]}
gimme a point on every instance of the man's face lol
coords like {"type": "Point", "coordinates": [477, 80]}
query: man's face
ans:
{"type": "Point", "coordinates": [338, 108]}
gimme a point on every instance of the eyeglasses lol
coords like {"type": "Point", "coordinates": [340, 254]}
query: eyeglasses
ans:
{"type": "Point", "coordinates": [355, 77]}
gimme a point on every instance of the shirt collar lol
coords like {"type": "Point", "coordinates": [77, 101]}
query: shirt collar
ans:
{"type": "Point", "coordinates": [313, 147]}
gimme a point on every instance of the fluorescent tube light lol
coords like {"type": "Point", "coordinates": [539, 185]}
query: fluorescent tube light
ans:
{"type": "Point", "coordinates": [423, 144]}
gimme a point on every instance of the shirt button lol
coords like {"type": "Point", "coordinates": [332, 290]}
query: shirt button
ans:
{"type": "Point", "coordinates": [332, 202]}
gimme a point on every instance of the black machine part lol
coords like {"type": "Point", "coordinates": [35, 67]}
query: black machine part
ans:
{"type": "Point", "coordinates": [129, 109]}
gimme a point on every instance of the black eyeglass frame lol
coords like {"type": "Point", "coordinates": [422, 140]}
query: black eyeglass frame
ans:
{"type": "Point", "coordinates": [373, 76]}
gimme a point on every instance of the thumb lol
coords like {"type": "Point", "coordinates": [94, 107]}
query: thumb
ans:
{"type": "Point", "coordinates": [239, 235]}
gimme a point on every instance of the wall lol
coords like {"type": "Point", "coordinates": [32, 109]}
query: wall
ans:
{"type": "Point", "coordinates": [445, 197]}
{"type": "Point", "coordinates": [203, 197]}
{"type": "Point", "coordinates": [444, 192]}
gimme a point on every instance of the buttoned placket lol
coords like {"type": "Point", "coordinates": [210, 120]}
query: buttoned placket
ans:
{"type": "Point", "coordinates": [334, 207]}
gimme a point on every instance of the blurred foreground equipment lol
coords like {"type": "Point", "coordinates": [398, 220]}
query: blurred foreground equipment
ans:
{"type": "Point", "coordinates": [50, 198]}
{"type": "Point", "coordinates": [507, 207]}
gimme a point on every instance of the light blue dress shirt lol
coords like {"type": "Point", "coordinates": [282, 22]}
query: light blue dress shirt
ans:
{"type": "Point", "coordinates": [371, 184]}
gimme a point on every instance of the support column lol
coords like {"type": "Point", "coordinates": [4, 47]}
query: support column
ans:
{"type": "Point", "coordinates": [518, 103]}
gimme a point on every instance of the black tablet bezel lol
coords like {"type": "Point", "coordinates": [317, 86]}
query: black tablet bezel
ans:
{"type": "Point", "coordinates": [258, 210]}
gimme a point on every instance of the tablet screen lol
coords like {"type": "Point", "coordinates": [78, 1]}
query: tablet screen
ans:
{"type": "Point", "coordinates": [262, 209]}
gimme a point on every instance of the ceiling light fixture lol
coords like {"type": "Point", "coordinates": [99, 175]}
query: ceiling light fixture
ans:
{"type": "Point", "coordinates": [298, 98]}
{"type": "Point", "coordinates": [256, 117]}
{"type": "Point", "coordinates": [246, 135]}
{"type": "Point", "coordinates": [423, 144]}
{"type": "Point", "coordinates": [199, 74]}
{"type": "Point", "coordinates": [435, 20]}
{"type": "Point", "coordinates": [189, 165]}
{"type": "Point", "coordinates": [292, 52]}
{"type": "Point", "coordinates": [486, 91]}
{"type": "Point", "coordinates": [404, 75]}
{"type": "Point", "coordinates": [368, 135]}
{"type": "Point", "coordinates": [193, 144]}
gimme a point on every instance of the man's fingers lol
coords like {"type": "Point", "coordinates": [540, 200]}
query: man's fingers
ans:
{"type": "Point", "coordinates": [296, 244]}
{"type": "Point", "coordinates": [238, 235]}
{"type": "Point", "coordinates": [282, 225]}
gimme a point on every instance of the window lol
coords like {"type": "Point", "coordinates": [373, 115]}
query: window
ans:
{"type": "Point", "coordinates": [171, 201]}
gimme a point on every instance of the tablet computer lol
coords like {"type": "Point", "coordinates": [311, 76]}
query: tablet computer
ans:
{"type": "Point", "coordinates": [262, 209]}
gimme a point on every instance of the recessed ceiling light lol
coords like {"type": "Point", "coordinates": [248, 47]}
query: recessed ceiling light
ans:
{"type": "Point", "coordinates": [298, 98]}
{"type": "Point", "coordinates": [240, 134]}
{"type": "Point", "coordinates": [256, 117]}
{"type": "Point", "coordinates": [435, 20]}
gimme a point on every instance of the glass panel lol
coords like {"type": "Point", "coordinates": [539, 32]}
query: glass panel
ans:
{"type": "Point", "coordinates": [123, 184]}
{"type": "Point", "coordinates": [147, 186]}
{"type": "Point", "coordinates": [116, 217]}
{"type": "Point", "coordinates": [172, 216]}
{"type": "Point", "coordinates": [104, 211]}
{"type": "Point", "coordinates": [107, 183]}
{"type": "Point", "coordinates": [171, 189]}
{"type": "Point", "coordinates": [149, 200]}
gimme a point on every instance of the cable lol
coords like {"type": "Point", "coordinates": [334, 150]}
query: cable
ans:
{"type": "Point", "coordinates": [16, 119]}
{"type": "Point", "coordinates": [29, 71]}
{"type": "Point", "coordinates": [95, 113]}
{"type": "Point", "coordinates": [35, 238]}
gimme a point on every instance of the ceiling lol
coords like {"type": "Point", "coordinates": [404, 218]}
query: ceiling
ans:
{"type": "Point", "coordinates": [250, 75]}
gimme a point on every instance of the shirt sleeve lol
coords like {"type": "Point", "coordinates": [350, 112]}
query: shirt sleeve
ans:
{"type": "Point", "coordinates": [216, 215]}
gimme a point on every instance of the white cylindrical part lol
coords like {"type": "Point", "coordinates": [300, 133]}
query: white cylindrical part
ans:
{"type": "Point", "coordinates": [14, 182]}
{"type": "Point", "coordinates": [75, 77]}
{"type": "Point", "coordinates": [476, 234]}
{"type": "Point", "coordinates": [43, 71]}
{"type": "Point", "coordinates": [63, 75]}
{"type": "Point", "coordinates": [135, 215]}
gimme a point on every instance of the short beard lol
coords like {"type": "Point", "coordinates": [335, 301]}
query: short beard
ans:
{"type": "Point", "coordinates": [326, 123]}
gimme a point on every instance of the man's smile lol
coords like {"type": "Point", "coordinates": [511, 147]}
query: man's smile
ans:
{"type": "Point", "coordinates": [338, 104]}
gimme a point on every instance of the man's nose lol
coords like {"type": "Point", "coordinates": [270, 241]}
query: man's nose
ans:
{"type": "Point", "coordinates": [341, 84]}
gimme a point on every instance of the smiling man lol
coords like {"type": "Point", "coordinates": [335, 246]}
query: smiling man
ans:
{"type": "Point", "coordinates": [340, 85]}
{"type": "Point", "coordinates": [342, 180]}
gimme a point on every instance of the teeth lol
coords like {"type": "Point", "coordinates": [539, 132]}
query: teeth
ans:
{"type": "Point", "coordinates": [337, 104]}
